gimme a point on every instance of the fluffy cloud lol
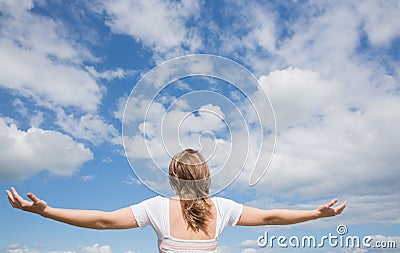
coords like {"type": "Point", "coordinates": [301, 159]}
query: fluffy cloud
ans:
{"type": "Point", "coordinates": [298, 95]}
{"type": "Point", "coordinates": [160, 25]}
{"type": "Point", "coordinates": [327, 146]}
{"type": "Point", "coordinates": [223, 249]}
{"type": "Point", "coordinates": [324, 136]}
{"type": "Point", "coordinates": [91, 127]}
{"type": "Point", "coordinates": [336, 105]}
{"type": "Point", "coordinates": [96, 248]}
{"type": "Point", "coordinates": [24, 153]}
{"type": "Point", "coordinates": [381, 22]}
{"type": "Point", "coordinates": [249, 250]}
{"type": "Point", "coordinates": [180, 128]}
{"type": "Point", "coordinates": [336, 108]}
{"type": "Point", "coordinates": [62, 252]}
{"type": "Point", "coordinates": [109, 74]}
{"type": "Point", "coordinates": [259, 23]}
{"type": "Point", "coordinates": [48, 83]}
{"type": "Point", "coordinates": [248, 243]}
{"type": "Point", "coordinates": [326, 42]}
{"type": "Point", "coordinates": [166, 132]}
{"type": "Point", "coordinates": [41, 62]}
{"type": "Point", "coordinates": [16, 248]}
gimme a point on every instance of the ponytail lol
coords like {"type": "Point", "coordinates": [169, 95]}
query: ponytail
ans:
{"type": "Point", "coordinates": [196, 213]}
{"type": "Point", "coordinates": [189, 177]}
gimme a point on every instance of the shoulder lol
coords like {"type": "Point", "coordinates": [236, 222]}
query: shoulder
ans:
{"type": "Point", "coordinates": [152, 202]}
{"type": "Point", "coordinates": [156, 199]}
{"type": "Point", "coordinates": [228, 211]}
{"type": "Point", "coordinates": [224, 201]}
{"type": "Point", "coordinates": [224, 205]}
{"type": "Point", "coordinates": [149, 210]}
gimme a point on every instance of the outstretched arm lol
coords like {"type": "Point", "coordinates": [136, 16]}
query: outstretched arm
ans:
{"type": "Point", "coordinates": [256, 217]}
{"type": "Point", "coordinates": [118, 219]}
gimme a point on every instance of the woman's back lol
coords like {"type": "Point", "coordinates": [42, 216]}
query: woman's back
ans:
{"type": "Point", "coordinates": [179, 228]}
{"type": "Point", "coordinates": [166, 218]}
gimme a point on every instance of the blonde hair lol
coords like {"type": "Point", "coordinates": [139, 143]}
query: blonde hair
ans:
{"type": "Point", "coordinates": [189, 177]}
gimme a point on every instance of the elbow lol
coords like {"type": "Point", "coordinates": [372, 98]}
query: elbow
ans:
{"type": "Point", "coordinates": [270, 221]}
{"type": "Point", "coordinates": [102, 226]}
{"type": "Point", "coordinates": [104, 222]}
{"type": "Point", "coordinates": [273, 217]}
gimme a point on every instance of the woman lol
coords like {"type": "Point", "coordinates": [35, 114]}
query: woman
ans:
{"type": "Point", "coordinates": [190, 222]}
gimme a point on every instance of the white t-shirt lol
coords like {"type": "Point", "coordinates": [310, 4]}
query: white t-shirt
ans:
{"type": "Point", "coordinates": [155, 211]}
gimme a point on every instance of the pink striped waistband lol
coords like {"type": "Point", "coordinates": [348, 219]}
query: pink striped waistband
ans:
{"type": "Point", "coordinates": [187, 246]}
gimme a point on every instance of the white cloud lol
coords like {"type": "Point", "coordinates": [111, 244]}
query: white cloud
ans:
{"type": "Point", "coordinates": [381, 20]}
{"type": "Point", "coordinates": [248, 250]}
{"type": "Point", "coordinates": [91, 127]}
{"type": "Point", "coordinates": [36, 118]}
{"type": "Point", "coordinates": [340, 141]}
{"type": "Point", "coordinates": [223, 249]}
{"type": "Point", "coordinates": [44, 63]}
{"type": "Point", "coordinates": [62, 252]}
{"type": "Point", "coordinates": [381, 209]}
{"type": "Point", "coordinates": [131, 180]}
{"type": "Point", "coordinates": [262, 27]}
{"type": "Point", "coordinates": [180, 128]}
{"type": "Point", "coordinates": [16, 248]}
{"type": "Point", "coordinates": [87, 178]}
{"type": "Point", "coordinates": [298, 95]}
{"type": "Point", "coordinates": [41, 62]}
{"type": "Point", "coordinates": [160, 25]}
{"type": "Point", "coordinates": [40, 34]}
{"type": "Point", "coordinates": [356, 250]}
{"type": "Point", "coordinates": [209, 117]}
{"type": "Point", "coordinates": [20, 107]}
{"type": "Point", "coordinates": [248, 243]}
{"type": "Point", "coordinates": [96, 248]}
{"type": "Point", "coordinates": [24, 153]}
{"type": "Point", "coordinates": [107, 160]}
{"type": "Point", "coordinates": [336, 108]}
{"type": "Point", "coordinates": [326, 42]}
{"type": "Point", "coordinates": [117, 73]}
{"type": "Point", "coordinates": [48, 83]}
{"type": "Point", "coordinates": [164, 133]}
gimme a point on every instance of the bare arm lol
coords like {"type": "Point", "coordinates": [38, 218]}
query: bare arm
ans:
{"type": "Point", "coordinates": [118, 219]}
{"type": "Point", "coordinates": [256, 217]}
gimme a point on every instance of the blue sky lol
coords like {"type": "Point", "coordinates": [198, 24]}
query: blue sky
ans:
{"type": "Point", "coordinates": [330, 69]}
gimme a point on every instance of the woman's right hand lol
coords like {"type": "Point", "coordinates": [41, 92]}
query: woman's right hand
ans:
{"type": "Point", "coordinates": [35, 206]}
{"type": "Point", "coordinates": [118, 219]}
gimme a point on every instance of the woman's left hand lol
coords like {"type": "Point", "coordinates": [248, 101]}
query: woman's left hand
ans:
{"type": "Point", "coordinates": [327, 210]}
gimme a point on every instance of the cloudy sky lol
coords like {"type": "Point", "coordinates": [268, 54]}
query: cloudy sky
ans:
{"type": "Point", "coordinates": [92, 106]}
